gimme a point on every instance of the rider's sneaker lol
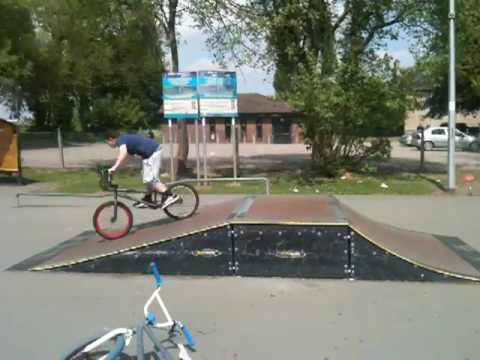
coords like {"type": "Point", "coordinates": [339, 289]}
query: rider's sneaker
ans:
{"type": "Point", "coordinates": [141, 204]}
{"type": "Point", "coordinates": [172, 198]}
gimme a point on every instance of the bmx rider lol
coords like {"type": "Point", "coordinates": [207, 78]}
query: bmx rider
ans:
{"type": "Point", "coordinates": [151, 153]}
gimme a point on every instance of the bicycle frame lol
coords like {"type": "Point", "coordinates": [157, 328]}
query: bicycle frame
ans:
{"type": "Point", "coordinates": [128, 333]}
{"type": "Point", "coordinates": [125, 332]}
{"type": "Point", "coordinates": [107, 185]}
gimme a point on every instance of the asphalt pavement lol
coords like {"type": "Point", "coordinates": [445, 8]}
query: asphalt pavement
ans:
{"type": "Point", "coordinates": [43, 314]}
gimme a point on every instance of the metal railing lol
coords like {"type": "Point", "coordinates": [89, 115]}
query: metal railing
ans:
{"type": "Point", "coordinates": [103, 195]}
{"type": "Point", "coordinates": [231, 179]}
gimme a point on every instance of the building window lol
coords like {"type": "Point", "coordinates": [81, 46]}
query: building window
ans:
{"type": "Point", "coordinates": [243, 130]}
{"type": "Point", "coordinates": [228, 129]}
{"type": "Point", "coordinates": [259, 129]}
{"type": "Point", "coordinates": [212, 130]}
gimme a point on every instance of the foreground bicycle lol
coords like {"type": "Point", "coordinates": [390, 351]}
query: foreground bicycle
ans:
{"type": "Point", "coordinates": [113, 219]}
{"type": "Point", "coordinates": [111, 345]}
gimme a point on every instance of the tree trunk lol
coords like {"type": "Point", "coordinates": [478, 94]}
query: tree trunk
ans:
{"type": "Point", "coordinates": [182, 150]}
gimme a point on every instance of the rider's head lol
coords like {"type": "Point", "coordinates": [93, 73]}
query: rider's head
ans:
{"type": "Point", "coordinates": [112, 137]}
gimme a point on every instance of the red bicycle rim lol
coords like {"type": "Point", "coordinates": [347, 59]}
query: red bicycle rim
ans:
{"type": "Point", "coordinates": [116, 233]}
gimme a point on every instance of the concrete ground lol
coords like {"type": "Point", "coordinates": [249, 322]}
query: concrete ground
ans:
{"type": "Point", "coordinates": [251, 155]}
{"type": "Point", "coordinates": [42, 314]}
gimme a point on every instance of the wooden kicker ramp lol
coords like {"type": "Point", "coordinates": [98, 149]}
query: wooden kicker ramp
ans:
{"type": "Point", "coordinates": [287, 236]}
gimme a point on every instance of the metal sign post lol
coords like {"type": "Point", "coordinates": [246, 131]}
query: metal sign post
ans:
{"type": "Point", "coordinates": [233, 133]}
{"type": "Point", "coordinates": [451, 102]}
{"type": "Point", "coordinates": [170, 138]}
{"type": "Point", "coordinates": [197, 147]}
{"type": "Point", "coordinates": [60, 147]}
{"type": "Point", "coordinates": [204, 129]}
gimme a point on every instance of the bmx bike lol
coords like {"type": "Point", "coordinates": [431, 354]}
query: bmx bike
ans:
{"type": "Point", "coordinates": [112, 344]}
{"type": "Point", "coordinates": [113, 219]}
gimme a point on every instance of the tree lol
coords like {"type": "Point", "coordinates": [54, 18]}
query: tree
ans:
{"type": "Point", "coordinates": [16, 51]}
{"type": "Point", "coordinates": [97, 64]}
{"type": "Point", "coordinates": [328, 67]}
{"type": "Point", "coordinates": [433, 55]}
{"type": "Point", "coordinates": [168, 15]}
{"type": "Point", "coordinates": [325, 54]}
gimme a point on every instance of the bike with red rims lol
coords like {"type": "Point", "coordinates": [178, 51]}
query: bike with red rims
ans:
{"type": "Point", "coordinates": [113, 219]}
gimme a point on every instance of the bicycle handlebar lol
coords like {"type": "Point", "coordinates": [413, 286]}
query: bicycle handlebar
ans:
{"type": "Point", "coordinates": [187, 335]}
{"type": "Point", "coordinates": [156, 274]}
{"type": "Point", "coordinates": [105, 178]}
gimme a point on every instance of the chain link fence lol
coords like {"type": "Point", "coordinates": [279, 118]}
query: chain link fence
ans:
{"type": "Point", "coordinates": [66, 149]}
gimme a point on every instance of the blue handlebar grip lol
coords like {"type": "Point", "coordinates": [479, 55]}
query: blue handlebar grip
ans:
{"type": "Point", "coordinates": [156, 274]}
{"type": "Point", "coordinates": [187, 335]}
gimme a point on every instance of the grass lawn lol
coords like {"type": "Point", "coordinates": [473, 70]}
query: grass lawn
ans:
{"type": "Point", "coordinates": [86, 181]}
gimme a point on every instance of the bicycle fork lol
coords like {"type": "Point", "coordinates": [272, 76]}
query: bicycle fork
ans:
{"type": "Point", "coordinates": [115, 206]}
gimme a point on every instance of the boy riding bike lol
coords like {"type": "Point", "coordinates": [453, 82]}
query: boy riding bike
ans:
{"type": "Point", "coordinates": [151, 153]}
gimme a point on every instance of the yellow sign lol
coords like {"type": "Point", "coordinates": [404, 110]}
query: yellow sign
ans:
{"type": "Point", "coordinates": [9, 154]}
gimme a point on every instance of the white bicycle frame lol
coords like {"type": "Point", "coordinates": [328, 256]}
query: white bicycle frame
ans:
{"type": "Point", "coordinates": [128, 333]}
{"type": "Point", "coordinates": [183, 353]}
{"type": "Point", "coordinates": [125, 332]}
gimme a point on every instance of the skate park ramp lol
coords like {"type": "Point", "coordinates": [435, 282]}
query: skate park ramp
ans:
{"type": "Point", "coordinates": [286, 236]}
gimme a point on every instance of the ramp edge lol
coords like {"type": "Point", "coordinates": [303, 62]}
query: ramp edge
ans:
{"type": "Point", "coordinates": [420, 264]}
{"type": "Point", "coordinates": [121, 251]}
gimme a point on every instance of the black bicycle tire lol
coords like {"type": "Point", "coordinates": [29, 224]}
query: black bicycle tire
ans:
{"type": "Point", "coordinates": [197, 200]}
{"type": "Point", "coordinates": [113, 354]}
{"type": "Point", "coordinates": [78, 347]}
{"type": "Point", "coordinates": [99, 209]}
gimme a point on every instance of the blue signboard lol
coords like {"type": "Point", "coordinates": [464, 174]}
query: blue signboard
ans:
{"type": "Point", "coordinates": [180, 96]}
{"type": "Point", "coordinates": [217, 91]}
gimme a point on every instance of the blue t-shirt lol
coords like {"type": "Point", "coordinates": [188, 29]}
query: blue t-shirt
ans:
{"type": "Point", "coordinates": [138, 145]}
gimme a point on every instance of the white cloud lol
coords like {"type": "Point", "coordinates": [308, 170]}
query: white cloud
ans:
{"type": "Point", "coordinates": [403, 55]}
{"type": "Point", "coordinates": [187, 29]}
{"type": "Point", "coordinates": [4, 112]}
{"type": "Point", "coordinates": [254, 80]}
{"type": "Point", "coordinates": [202, 64]}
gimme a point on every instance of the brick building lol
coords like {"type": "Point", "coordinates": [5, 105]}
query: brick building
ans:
{"type": "Point", "coordinates": [260, 120]}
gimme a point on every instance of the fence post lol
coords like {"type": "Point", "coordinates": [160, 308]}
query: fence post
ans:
{"type": "Point", "coordinates": [60, 147]}
{"type": "Point", "coordinates": [420, 129]}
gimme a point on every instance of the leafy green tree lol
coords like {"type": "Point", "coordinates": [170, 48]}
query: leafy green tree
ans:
{"type": "Point", "coordinates": [88, 54]}
{"type": "Point", "coordinates": [325, 55]}
{"type": "Point", "coordinates": [433, 53]}
{"type": "Point", "coordinates": [16, 51]}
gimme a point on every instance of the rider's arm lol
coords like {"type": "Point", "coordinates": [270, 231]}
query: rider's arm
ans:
{"type": "Point", "coordinates": [122, 155]}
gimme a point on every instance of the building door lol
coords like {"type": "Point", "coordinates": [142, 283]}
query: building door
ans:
{"type": "Point", "coordinates": [281, 131]}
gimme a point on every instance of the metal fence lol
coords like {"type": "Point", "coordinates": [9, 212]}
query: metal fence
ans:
{"type": "Point", "coordinates": [63, 149]}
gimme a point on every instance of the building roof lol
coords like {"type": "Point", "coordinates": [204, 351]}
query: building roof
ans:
{"type": "Point", "coordinates": [261, 104]}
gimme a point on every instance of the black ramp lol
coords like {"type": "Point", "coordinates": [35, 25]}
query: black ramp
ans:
{"type": "Point", "coordinates": [420, 249]}
{"type": "Point", "coordinates": [288, 236]}
{"type": "Point", "coordinates": [89, 246]}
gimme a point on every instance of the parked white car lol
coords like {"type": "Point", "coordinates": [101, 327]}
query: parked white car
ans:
{"type": "Point", "coordinates": [437, 138]}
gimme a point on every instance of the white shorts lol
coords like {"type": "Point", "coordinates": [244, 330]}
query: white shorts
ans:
{"type": "Point", "coordinates": [151, 168]}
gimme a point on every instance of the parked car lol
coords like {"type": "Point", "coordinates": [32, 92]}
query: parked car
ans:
{"type": "Point", "coordinates": [463, 127]}
{"type": "Point", "coordinates": [437, 138]}
{"type": "Point", "coordinates": [408, 139]}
